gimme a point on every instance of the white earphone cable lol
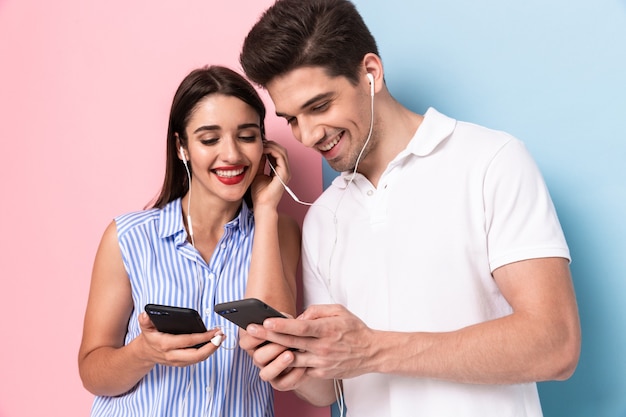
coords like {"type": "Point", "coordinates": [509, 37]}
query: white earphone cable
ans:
{"type": "Point", "coordinates": [189, 223]}
{"type": "Point", "coordinates": [358, 159]}
{"type": "Point", "coordinates": [337, 383]}
{"type": "Point", "coordinates": [291, 193]}
{"type": "Point", "coordinates": [356, 165]}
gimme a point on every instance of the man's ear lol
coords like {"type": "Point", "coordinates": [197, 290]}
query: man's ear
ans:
{"type": "Point", "coordinates": [373, 65]}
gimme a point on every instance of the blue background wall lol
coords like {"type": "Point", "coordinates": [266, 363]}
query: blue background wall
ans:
{"type": "Point", "coordinates": [553, 73]}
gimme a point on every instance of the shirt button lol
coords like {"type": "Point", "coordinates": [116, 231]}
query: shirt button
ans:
{"type": "Point", "coordinates": [370, 193]}
{"type": "Point", "coordinates": [223, 245]}
{"type": "Point", "coordinates": [208, 390]}
{"type": "Point", "coordinates": [208, 311]}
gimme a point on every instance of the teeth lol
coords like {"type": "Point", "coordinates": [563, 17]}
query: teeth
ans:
{"type": "Point", "coordinates": [331, 144]}
{"type": "Point", "coordinates": [228, 173]}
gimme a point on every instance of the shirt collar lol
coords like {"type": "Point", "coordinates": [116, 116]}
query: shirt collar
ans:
{"type": "Point", "coordinates": [433, 130]}
{"type": "Point", "coordinates": [171, 220]}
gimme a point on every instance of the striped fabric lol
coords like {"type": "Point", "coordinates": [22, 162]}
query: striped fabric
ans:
{"type": "Point", "coordinates": [165, 269]}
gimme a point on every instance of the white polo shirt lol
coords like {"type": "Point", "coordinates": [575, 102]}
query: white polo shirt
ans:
{"type": "Point", "coordinates": [416, 254]}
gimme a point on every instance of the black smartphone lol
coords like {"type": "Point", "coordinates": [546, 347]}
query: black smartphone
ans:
{"type": "Point", "coordinates": [246, 311]}
{"type": "Point", "coordinates": [176, 320]}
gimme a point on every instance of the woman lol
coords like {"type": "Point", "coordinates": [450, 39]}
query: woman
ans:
{"type": "Point", "coordinates": [213, 235]}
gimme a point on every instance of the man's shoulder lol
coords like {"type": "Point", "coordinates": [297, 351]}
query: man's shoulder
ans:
{"type": "Point", "coordinates": [462, 127]}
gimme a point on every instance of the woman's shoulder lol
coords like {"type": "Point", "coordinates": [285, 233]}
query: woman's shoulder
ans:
{"type": "Point", "coordinates": [135, 219]}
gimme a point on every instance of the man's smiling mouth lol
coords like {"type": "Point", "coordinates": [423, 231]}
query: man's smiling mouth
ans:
{"type": "Point", "coordinates": [328, 146]}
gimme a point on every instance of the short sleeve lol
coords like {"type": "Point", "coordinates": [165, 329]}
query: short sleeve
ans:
{"type": "Point", "coordinates": [521, 220]}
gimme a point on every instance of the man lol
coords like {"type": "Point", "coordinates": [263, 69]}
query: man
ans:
{"type": "Point", "coordinates": [435, 270]}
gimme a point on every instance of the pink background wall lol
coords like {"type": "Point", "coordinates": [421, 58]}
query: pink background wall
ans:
{"type": "Point", "coordinates": [85, 89]}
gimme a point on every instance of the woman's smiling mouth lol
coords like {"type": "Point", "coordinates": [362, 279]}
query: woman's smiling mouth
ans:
{"type": "Point", "coordinates": [230, 176]}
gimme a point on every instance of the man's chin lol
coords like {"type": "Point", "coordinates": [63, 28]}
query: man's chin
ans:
{"type": "Point", "coordinates": [338, 166]}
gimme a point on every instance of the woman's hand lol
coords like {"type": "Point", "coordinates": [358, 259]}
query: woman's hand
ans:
{"type": "Point", "coordinates": [174, 350]}
{"type": "Point", "coordinates": [267, 189]}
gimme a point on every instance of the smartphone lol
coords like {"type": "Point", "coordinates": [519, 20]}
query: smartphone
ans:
{"type": "Point", "coordinates": [246, 311]}
{"type": "Point", "coordinates": [176, 320]}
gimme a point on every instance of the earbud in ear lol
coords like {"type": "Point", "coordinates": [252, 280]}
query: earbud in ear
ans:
{"type": "Point", "coordinates": [370, 77]}
{"type": "Point", "coordinates": [182, 154]}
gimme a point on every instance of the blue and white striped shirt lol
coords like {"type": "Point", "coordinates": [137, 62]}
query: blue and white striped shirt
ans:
{"type": "Point", "coordinates": [164, 268]}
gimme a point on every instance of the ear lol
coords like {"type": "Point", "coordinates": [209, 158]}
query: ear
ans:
{"type": "Point", "coordinates": [180, 149]}
{"type": "Point", "coordinates": [372, 64]}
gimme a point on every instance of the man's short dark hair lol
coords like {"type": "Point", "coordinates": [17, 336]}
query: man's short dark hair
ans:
{"type": "Point", "coordinates": [307, 33]}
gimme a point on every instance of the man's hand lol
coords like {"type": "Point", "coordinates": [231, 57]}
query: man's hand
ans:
{"type": "Point", "coordinates": [331, 343]}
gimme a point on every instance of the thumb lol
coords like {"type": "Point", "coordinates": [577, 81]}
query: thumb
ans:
{"type": "Point", "coordinates": [144, 322]}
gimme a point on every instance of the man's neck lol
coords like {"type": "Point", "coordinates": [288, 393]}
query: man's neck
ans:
{"type": "Point", "coordinates": [395, 126]}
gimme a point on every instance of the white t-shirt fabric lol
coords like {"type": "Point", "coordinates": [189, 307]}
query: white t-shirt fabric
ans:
{"type": "Point", "coordinates": [417, 252]}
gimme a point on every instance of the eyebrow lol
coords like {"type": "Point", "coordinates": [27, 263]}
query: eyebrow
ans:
{"type": "Point", "coordinates": [319, 97]}
{"type": "Point", "coordinates": [206, 128]}
{"type": "Point", "coordinates": [217, 127]}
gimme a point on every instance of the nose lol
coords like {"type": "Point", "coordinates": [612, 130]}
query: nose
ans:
{"type": "Point", "coordinates": [308, 132]}
{"type": "Point", "coordinates": [231, 151]}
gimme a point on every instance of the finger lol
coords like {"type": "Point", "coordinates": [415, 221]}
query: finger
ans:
{"type": "Point", "coordinates": [199, 346]}
{"type": "Point", "coordinates": [214, 337]}
{"type": "Point", "coordinates": [277, 366]}
{"type": "Point", "coordinates": [261, 169]}
{"type": "Point", "coordinates": [145, 323]}
{"type": "Point", "coordinates": [189, 356]}
{"type": "Point", "coordinates": [322, 310]}
{"type": "Point", "coordinates": [296, 334]}
{"type": "Point", "coordinates": [186, 341]}
{"type": "Point", "coordinates": [289, 379]}
{"type": "Point", "coordinates": [277, 156]}
{"type": "Point", "coordinates": [218, 338]}
{"type": "Point", "coordinates": [273, 164]}
{"type": "Point", "coordinates": [248, 342]}
{"type": "Point", "coordinates": [300, 327]}
{"type": "Point", "coordinates": [267, 353]}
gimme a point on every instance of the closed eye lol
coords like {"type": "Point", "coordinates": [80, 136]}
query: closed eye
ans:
{"type": "Point", "coordinates": [248, 138]}
{"type": "Point", "coordinates": [209, 142]}
{"type": "Point", "coordinates": [322, 107]}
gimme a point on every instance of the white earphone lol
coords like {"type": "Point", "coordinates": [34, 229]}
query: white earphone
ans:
{"type": "Point", "coordinates": [217, 339]}
{"type": "Point", "coordinates": [182, 155]}
{"type": "Point", "coordinates": [371, 78]}
{"type": "Point", "coordinates": [189, 223]}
